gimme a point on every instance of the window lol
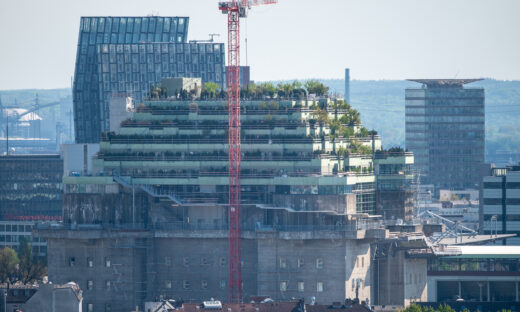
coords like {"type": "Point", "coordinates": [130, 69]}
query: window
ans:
{"type": "Point", "coordinates": [108, 307]}
{"type": "Point", "coordinates": [90, 284]}
{"type": "Point", "coordinates": [319, 287]}
{"type": "Point", "coordinates": [186, 284]}
{"type": "Point", "coordinates": [301, 286]}
{"type": "Point", "coordinates": [283, 286]}
{"type": "Point", "coordinates": [108, 284]}
{"type": "Point", "coordinates": [90, 263]}
{"type": "Point", "coordinates": [203, 284]}
{"type": "Point", "coordinates": [283, 263]}
{"type": "Point", "coordinates": [204, 261]}
{"type": "Point", "coordinates": [319, 263]}
{"type": "Point", "coordinates": [222, 261]}
{"type": "Point", "coordinates": [107, 262]}
{"type": "Point", "coordinates": [223, 284]}
{"type": "Point", "coordinates": [72, 261]}
{"type": "Point", "coordinates": [362, 262]}
{"type": "Point", "coordinates": [168, 284]}
{"type": "Point", "coordinates": [90, 307]}
{"type": "Point", "coordinates": [186, 261]}
{"type": "Point", "coordinates": [301, 262]}
{"type": "Point", "coordinates": [168, 261]}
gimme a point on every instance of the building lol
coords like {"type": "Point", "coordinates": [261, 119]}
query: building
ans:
{"type": "Point", "coordinates": [31, 187]}
{"type": "Point", "coordinates": [500, 203]}
{"type": "Point", "coordinates": [42, 298]}
{"type": "Point", "coordinates": [395, 192]}
{"type": "Point", "coordinates": [129, 55]}
{"type": "Point", "coordinates": [152, 220]}
{"type": "Point", "coordinates": [265, 306]}
{"type": "Point", "coordinates": [12, 232]}
{"type": "Point", "coordinates": [445, 130]}
{"type": "Point", "coordinates": [245, 76]}
{"type": "Point", "coordinates": [347, 85]}
{"type": "Point", "coordinates": [480, 275]}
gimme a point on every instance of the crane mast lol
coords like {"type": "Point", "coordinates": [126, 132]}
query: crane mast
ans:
{"type": "Point", "coordinates": [235, 10]}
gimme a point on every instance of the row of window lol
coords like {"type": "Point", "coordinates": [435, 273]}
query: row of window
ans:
{"type": "Point", "coordinates": [89, 262]}
{"type": "Point", "coordinates": [498, 185]}
{"type": "Point", "coordinates": [498, 201]}
{"type": "Point", "coordinates": [284, 286]}
{"type": "Point", "coordinates": [300, 263]}
{"type": "Point", "coordinates": [126, 24]}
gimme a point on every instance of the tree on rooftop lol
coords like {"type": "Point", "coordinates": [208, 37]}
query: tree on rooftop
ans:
{"type": "Point", "coordinates": [316, 87]}
{"type": "Point", "coordinates": [267, 89]}
{"type": "Point", "coordinates": [8, 264]}
{"type": "Point", "coordinates": [286, 88]}
{"type": "Point", "coordinates": [211, 89]}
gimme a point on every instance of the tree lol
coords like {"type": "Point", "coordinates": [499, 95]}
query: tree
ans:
{"type": "Point", "coordinates": [316, 87]}
{"type": "Point", "coordinates": [211, 88]}
{"type": "Point", "coordinates": [30, 268]}
{"type": "Point", "coordinates": [267, 89]}
{"type": "Point", "coordinates": [8, 265]}
{"type": "Point", "coordinates": [286, 89]}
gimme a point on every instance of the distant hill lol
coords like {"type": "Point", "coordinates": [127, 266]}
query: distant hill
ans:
{"type": "Point", "coordinates": [381, 103]}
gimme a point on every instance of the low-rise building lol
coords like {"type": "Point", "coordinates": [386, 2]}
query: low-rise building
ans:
{"type": "Point", "coordinates": [475, 274]}
{"type": "Point", "coordinates": [500, 212]}
{"type": "Point", "coordinates": [41, 298]}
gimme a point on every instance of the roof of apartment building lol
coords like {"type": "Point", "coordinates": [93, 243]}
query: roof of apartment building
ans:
{"type": "Point", "coordinates": [288, 306]}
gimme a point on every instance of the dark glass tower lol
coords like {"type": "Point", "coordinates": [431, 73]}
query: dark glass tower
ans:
{"type": "Point", "coordinates": [128, 55]}
{"type": "Point", "coordinates": [445, 130]}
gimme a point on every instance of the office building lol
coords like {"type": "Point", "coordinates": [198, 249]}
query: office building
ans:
{"type": "Point", "coordinates": [129, 55]}
{"type": "Point", "coordinates": [500, 203]}
{"type": "Point", "coordinates": [12, 232]}
{"type": "Point", "coordinates": [445, 130]}
{"type": "Point", "coordinates": [31, 187]}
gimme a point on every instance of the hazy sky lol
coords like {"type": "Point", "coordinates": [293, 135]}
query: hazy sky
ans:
{"type": "Point", "coordinates": [377, 39]}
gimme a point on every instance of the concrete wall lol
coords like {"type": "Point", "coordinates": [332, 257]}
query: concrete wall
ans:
{"type": "Point", "coordinates": [104, 208]}
{"type": "Point", "coordinates": [415, 276]}
{"type": "Point", "coordinates": [78, 158]}
{"type": "Point", "coordinates": [121, 108]}
{"type": "Point", "coordinates": [280, 260]}
{"type": "Point", "coordinates": [125, 272]}
{"type": "Point", "coordinates": [401, 280]}
{"type": "Point", "coordinates": [192, 265]}
{"type": "Point", "coordinates": [344, 204]}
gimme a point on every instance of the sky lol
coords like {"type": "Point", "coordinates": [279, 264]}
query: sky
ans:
{"type": "Point", "coordinates": [294, 39]}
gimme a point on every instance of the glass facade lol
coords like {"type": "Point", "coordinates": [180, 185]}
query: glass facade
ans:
{"type": "Point", "coordinates": [445, 130]}
{"type": "Point", "coordinates": [129, 54]}
{"type": "Point", "coordinates": [30, 187]}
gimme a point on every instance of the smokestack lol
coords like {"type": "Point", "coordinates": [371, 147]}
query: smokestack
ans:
{"type": "Point", "coordinates": [347, 85]}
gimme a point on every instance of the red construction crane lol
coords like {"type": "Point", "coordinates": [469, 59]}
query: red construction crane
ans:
{"type": "Point", "coordinates": [235, 9]}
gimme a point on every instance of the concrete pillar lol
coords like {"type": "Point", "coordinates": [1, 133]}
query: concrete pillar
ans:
{"type": "Point", "coordinates": [488, 292]}
{"type": "Point", "coordinates": [460, 289]}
